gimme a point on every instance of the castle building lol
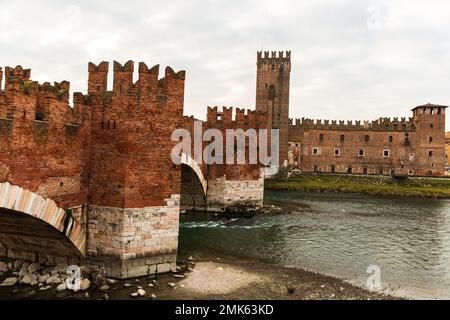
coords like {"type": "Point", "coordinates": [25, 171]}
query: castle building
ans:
{"type": "Point", "coordinates": [414, 146]}
{"type": "Point", "coordinates": [447, 148]}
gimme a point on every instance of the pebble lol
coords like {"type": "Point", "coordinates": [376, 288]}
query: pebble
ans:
{"type": "Point", "coordinates": [171, 284]}
{"type": "Point", "coordinates": [35, 266]}
{"type": "Point", "coordinates": [85, 284]}
{"type": "Point", "coordinates": [141, 292]}
{"type": "Point", "coordinates": [126, 285]}
{"type": "Point", "coordinates": [150, 285]}
{"type": "Point", "coordinates": [28, 279]}
{"type": "Point", "coordinates": [45, 288]}
{"type": "Point", "coordinates": [134, 294]}
{"type": "Point", "coordinates": [191, 258]}
{"type": "Point", "coordinates": [111, 281]}
{"type": "Point", "coordinates": [43, 278]}
{"type": "Point", "coordinates": [54, 279]}
{"type": "Point", "coordinates": [18, 264]}
{"type": "Point", "coordinates": [190, 269]}
{"type": "Point", "coordinates": [61, 287]}
{"type": "Point", "coordinates": [105, 296]}
{"type": "Point", "coordinates": [104, 288]}
{"type": "Point", "coordinates": [9, 282]}
{"type": "Point", "coordinates": [3, 267]}
{"type": "Point", "coordinates": [153, 296]}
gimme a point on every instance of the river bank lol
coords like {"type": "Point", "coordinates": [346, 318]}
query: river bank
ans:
{"type": "Point", "coordinates": [370, 185]}
{"type": "Point", "coordinates": [222, 277]}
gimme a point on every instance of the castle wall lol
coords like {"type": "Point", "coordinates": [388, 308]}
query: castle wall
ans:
{"type": "Point", "coordinates": [401, 147]}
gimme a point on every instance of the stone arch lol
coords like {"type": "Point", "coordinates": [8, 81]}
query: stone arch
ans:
{"type": "Point", "coordinates": [190, 162]}
{"type": "Point", "coordinates": [193, 185]}
{"type": "Point", "coordinates": [31, 209]}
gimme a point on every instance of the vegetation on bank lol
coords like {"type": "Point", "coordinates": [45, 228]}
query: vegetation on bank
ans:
{"type": "Point", "coordinates": [373, 185]}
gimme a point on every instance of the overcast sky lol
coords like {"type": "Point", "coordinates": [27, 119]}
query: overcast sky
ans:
{"type": "Point", "coordinates": [350, 59]}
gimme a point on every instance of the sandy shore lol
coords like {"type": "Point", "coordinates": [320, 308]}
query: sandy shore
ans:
{"type": "Point", "coordinates": [214, 278]}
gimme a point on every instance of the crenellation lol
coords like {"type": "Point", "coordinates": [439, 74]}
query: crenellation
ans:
{"type": "Point", "coordinates": [98, 77]}
{"type": "Point", "coordinates": [343, 125]}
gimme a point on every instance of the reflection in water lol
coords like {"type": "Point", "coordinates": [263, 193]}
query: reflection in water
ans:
{"type": "Point", "coordinates": [341, 235]}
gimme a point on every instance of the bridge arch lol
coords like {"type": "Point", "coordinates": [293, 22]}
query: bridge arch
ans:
{"type": "Point", "coordinates": [194, 185]}
{"type": "Point", "coordinates": [35, 224]}
{"type": "Point", "coordinates": [190, 162]}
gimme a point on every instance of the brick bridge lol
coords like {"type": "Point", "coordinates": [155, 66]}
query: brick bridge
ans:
{"type": "Point", "coordinates": [95, 183]}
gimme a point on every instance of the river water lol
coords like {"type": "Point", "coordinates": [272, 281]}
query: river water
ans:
{"type": "Point", "coordinates": [340, 235]}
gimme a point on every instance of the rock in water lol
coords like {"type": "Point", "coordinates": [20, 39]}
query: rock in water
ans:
{"type": "Point", "coordinates": [171, 284]}
{"type": "Point", "coordinates": [3, 267]}
{"type": "Point", "coordinates": [153, 296]}
{"type": "Point", "coordinates": [9, 282]}
{"type": "Point", "coordinates": [134, 294]}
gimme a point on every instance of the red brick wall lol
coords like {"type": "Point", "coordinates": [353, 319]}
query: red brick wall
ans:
{"type": "Point", "coordinates": [413, 158]}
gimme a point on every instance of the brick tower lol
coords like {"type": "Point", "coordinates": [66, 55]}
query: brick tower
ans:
{"type": "Point", "coordinates": [272, 93]}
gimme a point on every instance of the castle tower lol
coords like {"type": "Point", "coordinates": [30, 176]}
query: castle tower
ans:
{"type": "Point", "coordinates": [272, 93]}
{"type": "Point", "coordinates": [430, 122]}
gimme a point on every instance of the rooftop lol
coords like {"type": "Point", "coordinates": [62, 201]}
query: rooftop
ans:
{"type": "Point", "coordinates": [430, 105]}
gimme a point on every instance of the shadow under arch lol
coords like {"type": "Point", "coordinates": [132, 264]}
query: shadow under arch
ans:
{"type": "Point", "coordinates": [34, 224]}
{"type": "Point", "coordinates": [194, 186]}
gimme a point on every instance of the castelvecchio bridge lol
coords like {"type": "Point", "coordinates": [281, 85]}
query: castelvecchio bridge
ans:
{"type": "Point", "coordinates": [95, 183]}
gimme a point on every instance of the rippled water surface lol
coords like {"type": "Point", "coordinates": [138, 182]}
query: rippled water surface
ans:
{"type": "Point", "coordinates": [341, 235]}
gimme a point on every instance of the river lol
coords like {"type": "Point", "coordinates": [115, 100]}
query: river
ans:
{"type": "Point", "coordinates": [340, 235]}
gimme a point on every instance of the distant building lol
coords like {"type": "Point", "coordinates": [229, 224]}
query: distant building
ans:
{"type": "Point", "coordinates": [447, 149]}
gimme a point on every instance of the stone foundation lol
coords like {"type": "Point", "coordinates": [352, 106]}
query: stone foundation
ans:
{"type": "Point", "coordinates": [223, 193]}
{"type": "Point", "coordinates": [134, 242]}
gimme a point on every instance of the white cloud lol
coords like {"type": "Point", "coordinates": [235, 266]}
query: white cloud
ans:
{"type": "Point", "coordinates": [343, 67]}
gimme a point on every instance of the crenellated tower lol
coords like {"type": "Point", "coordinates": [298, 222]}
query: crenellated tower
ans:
{"type": "Point", "coordinates": [272, 93]}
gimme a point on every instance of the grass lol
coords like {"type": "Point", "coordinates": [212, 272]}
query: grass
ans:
{"type": "Point", "coordinates": [372, 185]}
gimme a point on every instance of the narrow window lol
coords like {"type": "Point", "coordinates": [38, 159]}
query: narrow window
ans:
{"type": "Point", "coordinates": [430, 139]}
{"type": "Point", "coordinates": [337, 152]}
{"type": "Point", "coordinates": [386, 153]}
{"type": "Point", "coordinates": [392, 172]}
{"type": "Point", "coordinates": [430, 153]}
{"type": "Point", "coordinates": [316, 168]}
{"type": "Point", "coordinates": [342, 138]}
{"type": "Point", "coordinates": [349, 169]}
{"type": "Point", "coordinates": [321, 138]}
{"type": "Point", "coordinates": [391, 139]}
{"type": "Point", "coordinates": [365, 171]}
{"type": "Point", "coordinates": [315, 151]}
{"type": "Point", "coordinates": [333, 168]}
{"type": "Point", "coordinates": [431, 126]}
{"type": "Point", "coordinates": [366, 138]}
{"type": "Point", "coordinates": [361, 152]}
